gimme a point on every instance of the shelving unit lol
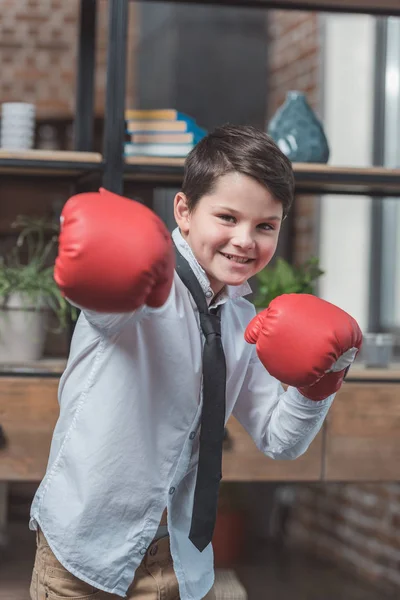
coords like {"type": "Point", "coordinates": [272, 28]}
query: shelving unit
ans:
{"type": "Point", "coordinates": [34, 387]}
{"type": "Point", "coordinates": [111, 168]}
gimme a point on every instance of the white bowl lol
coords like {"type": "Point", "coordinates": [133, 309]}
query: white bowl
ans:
{"type": "Point", "coordinates": [18, 108]}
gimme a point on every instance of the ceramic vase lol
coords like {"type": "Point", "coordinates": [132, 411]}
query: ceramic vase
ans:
{"type": "Point", "coordinates": [298, 132]}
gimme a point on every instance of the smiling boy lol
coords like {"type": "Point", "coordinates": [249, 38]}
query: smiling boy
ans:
{"type": "Point", "coordinates": [234, 230]}
{"type": "Point", "coordinates": [125, 450]}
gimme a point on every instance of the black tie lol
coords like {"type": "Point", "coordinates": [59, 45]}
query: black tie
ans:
{"type": "Point", "coordinates": [213, 414]}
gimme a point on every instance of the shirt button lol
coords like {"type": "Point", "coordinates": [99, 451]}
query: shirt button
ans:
{"type": "Point", "coordinates": [143, 551]}
{"type": "Point", "coordinates": [171, 491]}
{"type": "Point", "coordinates": [192, 435]}
{"type": "Point", "coordinates": [209, 294]}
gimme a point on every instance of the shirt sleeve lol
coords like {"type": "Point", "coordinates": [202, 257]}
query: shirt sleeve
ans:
{"type": "Point", "coordinates": [109, 323]}
{"type": "Point", "coordinates": [282, 423]}
{"type": "Point", "coordinates": [112, 323]}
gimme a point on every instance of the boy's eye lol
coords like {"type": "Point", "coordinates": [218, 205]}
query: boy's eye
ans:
{"type": "Point", "coordinates": [227, 218]}
{"type": "Point", "coordinates": [266, 226]}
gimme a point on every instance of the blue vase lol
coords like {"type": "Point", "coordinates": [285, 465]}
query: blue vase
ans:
{"type": "Point", "coordinates": [297, 131]}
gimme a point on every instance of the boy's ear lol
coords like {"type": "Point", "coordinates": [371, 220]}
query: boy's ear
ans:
{"type": "Point", "coordinates": [182, 212]}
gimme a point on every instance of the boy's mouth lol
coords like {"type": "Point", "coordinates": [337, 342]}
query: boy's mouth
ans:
{"type": "Point", "coordinates": [238, 259]}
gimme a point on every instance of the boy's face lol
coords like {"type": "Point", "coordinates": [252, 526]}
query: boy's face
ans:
{"type": "Point", "coordinates": [232, 232]}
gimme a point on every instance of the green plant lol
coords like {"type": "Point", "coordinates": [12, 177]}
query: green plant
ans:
{"type": "Point", "coordinates": [284, 278]}
{"type": "Point", "coordinates": [28, 269]}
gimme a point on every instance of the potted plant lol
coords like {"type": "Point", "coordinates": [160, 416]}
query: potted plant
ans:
{"type": "Point", "coordinates": [28, 292]}
{"type": "Point", "coordinates": [284, 278]}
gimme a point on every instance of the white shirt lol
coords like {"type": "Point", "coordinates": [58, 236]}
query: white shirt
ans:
{"type": "Point", "coordinates": [126, 442]}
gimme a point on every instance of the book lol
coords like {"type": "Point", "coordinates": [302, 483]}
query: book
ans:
{"type": "Point", "coordinates": [159, 114]}
{"type": "Point", "coordinates": [163, 138]}
{"type": "Point", "coordinates": [178, 150]}
{"type": "Point", "coordinates": [173, 127]}
{"type": "Point", "coordinates": [137, 126]}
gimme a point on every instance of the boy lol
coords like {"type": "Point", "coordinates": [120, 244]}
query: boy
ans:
{"type": "Point", "coordinates": [127, 443]}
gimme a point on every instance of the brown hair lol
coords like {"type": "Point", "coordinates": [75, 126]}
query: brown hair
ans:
{"type": "Point", "coordinates": [243, 149]}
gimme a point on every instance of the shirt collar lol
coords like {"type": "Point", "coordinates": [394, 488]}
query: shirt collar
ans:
{"type": "Point", "coordinates": [229, 292]}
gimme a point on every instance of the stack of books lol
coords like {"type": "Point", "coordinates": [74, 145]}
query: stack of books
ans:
{"type": "Point", "coordinates": [162, 132]}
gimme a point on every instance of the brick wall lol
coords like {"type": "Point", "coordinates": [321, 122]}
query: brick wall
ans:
{"type": "Point", "coordinates": [294, 64]}
{"type": "Point", "coordinates": [355, 525]}
{"type": "Point", "coordinates": [38, 52]}
{"type": "Point", "coordinates": [294, 56]}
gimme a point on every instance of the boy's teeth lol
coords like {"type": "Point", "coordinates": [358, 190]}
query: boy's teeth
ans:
{"type": "Point", "coordinates": [236, 259]}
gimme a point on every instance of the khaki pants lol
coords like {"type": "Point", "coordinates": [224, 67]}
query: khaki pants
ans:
{"type": "Point", "coordinates": [154, 578]}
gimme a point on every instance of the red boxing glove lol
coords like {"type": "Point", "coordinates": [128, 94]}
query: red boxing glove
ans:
{"type": "Point", "coordinates": [305, 342]}
{"type": "Point", "coordinates": [114, 254]}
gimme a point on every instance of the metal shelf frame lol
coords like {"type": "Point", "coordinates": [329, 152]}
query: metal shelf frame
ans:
{"type": "Point", "coordinates": [370, 7]}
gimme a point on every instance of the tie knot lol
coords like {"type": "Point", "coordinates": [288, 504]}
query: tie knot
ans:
{"type": "Point", "coordinates": [210, 324]}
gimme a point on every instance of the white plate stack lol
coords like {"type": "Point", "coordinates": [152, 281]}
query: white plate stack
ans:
{"type": "Point", "coordinates": [17, 125]}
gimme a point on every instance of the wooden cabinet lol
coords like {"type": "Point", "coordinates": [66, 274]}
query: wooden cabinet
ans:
{"type": "Point", "coordinates": [244, 462]}
{"type": "Point", "coordinates": [29, 410]}
{"type": "Point", "coordinates": [28, 413]}
{"type": "Point", "coordinates": [362, 433]}
{"type": "Point", "coordinates": [360, 440]}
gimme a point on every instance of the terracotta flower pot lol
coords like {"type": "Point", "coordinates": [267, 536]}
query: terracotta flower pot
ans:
{"type": "Point", "coordinates": [229, 537]}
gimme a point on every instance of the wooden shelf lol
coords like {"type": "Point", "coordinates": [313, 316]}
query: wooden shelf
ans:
{"type": "Point", "coordinates": [359, 373]}
{"type": "Point", "coordinates": [310, 178]}
{"type": "Point", "coordinates": [372, 7]}
{"type": "Point", "coordinates": [54, 367]}
{"type": "Point", "coordinates": [48, 162]}
{"type": "Point", "coordinates": [326, 179]}
{"type": "Point", "coordinates": [47, 367]}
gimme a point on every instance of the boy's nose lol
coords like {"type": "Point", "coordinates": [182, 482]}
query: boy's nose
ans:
{"type": "Point", "coordinates": [243, 240]}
